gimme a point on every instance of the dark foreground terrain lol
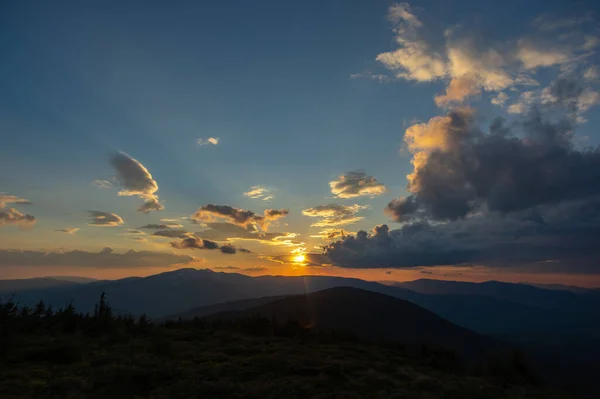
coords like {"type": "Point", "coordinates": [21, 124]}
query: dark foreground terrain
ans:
{"type": "Point", "coordinates": [63, 354]}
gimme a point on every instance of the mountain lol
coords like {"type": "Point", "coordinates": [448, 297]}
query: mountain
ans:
{"type": "Point", "coordinates": [369, 315]}
{"type": "Point", "coordinates": [524, 294]}
{"type": "Point", "coordinates": [241, 304]}
{"type": "Point", "coordinates": [7, 287]}
{"type": "Point", "coordinates": [177, 291]}
{"type": "Point", "coordinates": [74, 279]}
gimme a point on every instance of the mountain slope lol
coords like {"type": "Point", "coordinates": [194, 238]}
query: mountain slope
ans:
{"type": "Point", "coordinates": [8, 287]}
{"type": "Point", "coordinates": [520, 293]}
{"type": "Point", "coordinates": [242, 304]}
{"type": "Point", "coordinates": [370, 315]}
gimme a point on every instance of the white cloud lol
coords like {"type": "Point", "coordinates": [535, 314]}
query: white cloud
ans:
{"type": "Point", "coordinates": [470, 64]}
{"type": "Point", "coordinates": [102, 183]}
{"type": "Point", "coordinates": [208, 141]}
{"type": "Point", "coordinates": [258, 192]}
{"type": "Point", "coordinates": [11, 199]}
{"type": "Point", "coordinates": [69, 230]}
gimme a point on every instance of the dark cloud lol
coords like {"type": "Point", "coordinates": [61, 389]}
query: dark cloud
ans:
{"type": "Point", "coordinates": [333, 215]}
{"type": "Point", "coordinates": [154, 226]}
{"type": "Point", "coordinates": [568, 232]}
{"type": "Point", "coordinates": [459, 169]}
{"type": "Point", "coordinates": [136, 180]}
{"type": "Point", "coordinates": [244, 250]}
{"type": "Point", "coordinates": [171, 233]}
{"type": "Point", "coordinates": [106, 258]}
{"type": "Point", "coordinates": [191, 241]}
{"type": "Point", "coordinates": [13, 216]}
{"type": "Point", "coordinates": [227, 268]}
{"type": "Point", "coordinates": [402, 209]}
{"type": "Point", "coordinates": [100, 218]}
{"type": "Point", "coordinates": [388, 272]}
{"type": "Point", "coordinates": [356, 184]}
{"type": "Point", "coordinates": [223, 231]}
{"type": "Point", "coordinates": [228, 249]}
{"type": "Point", "coordinates": [240, 217]}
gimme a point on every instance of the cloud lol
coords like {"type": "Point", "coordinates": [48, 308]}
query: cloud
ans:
{"type": "Point", "coordinates": [69, 230]}
{"type": "Point", "coordinates": [568, 232]}
{"type": "Point", "coordinates": [228, 249]}
{"type": "Point", "coordinates": [154, 226]}
{"type": "Point", "coordinates": [331, 233]}
{"type": "Point", "coordinates": [209, 141]}
{"type": "Point", "coordinates": [458, 89]}
{"type": "Point", "coordinates": [468, 63]}
{"type": "Point", "coordinates": [507, 195]}
{"type": "Point", "coordinates": [333, 215]}
{"type": "Point", "coordinates": [191, 241]}
{"type": "Point", "coordinates": [232, 232]}
{"type": "Point", "coordinates": [13, 216]}
{"type": "Point", "coordinates": [356, 184]}
{"type": "Point", "coordinates": [171, 233]}
{"type": "Point", "coordinates": [102, 183]}
{"type": "Point", "coordinates": [240, 217]}
{"type": "Point", "coordinates": [258, 192]}
{"type": "Point", "coordinates": [136, 180]}
{"type": "Point", "coordinates": [99, 218]}
{"type": "Point", "coordinates": [133, 231]}
{"type": "Point", "coordinates": [11, 199]}
{"type": "Point", "coordinates": [223, 231]}
{"type": "Point", "coordinates": [549, 23]}
{"type": "Point", "coordinates": [414, 59]}
{"type": "Point", "coordinates": [142, 239]}
{"type": "Point", "coordinates": [460, 169]}
{"type": "Point", "coordinates": [106, 258]}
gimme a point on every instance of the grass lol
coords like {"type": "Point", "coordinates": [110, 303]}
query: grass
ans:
{"type": "Point", "coordinates": [192, 361]}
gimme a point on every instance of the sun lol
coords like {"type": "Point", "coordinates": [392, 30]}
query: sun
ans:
{"type": "Point", "coordinates": [299, 258]}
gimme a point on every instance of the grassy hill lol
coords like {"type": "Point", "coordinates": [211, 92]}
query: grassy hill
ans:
{"type": "Point", "coordinates": [69, 355]}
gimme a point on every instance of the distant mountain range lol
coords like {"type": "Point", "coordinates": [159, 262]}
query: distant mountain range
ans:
{"type": "Point", "coordinates": [488, 308]}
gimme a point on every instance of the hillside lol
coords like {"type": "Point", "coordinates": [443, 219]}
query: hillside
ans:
{"type": "Point", "coordinates": [370, 315]}
{"type": "Point", "coordinates": [69, 355]}
{"type": "Point", "coordinates": [7, 287]}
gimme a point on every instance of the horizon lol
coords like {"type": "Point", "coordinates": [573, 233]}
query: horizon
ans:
{"type": "Point", "coordinates": [239, 271]}
{"type": "Point", "coordinates": [377, 140]}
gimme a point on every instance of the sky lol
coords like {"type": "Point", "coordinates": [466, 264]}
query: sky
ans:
{"type": "Point", "coordinates": [371, 139]}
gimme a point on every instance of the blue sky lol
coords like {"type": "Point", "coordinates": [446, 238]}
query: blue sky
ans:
{"type": "Point", "coordinates": [293, 91]}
